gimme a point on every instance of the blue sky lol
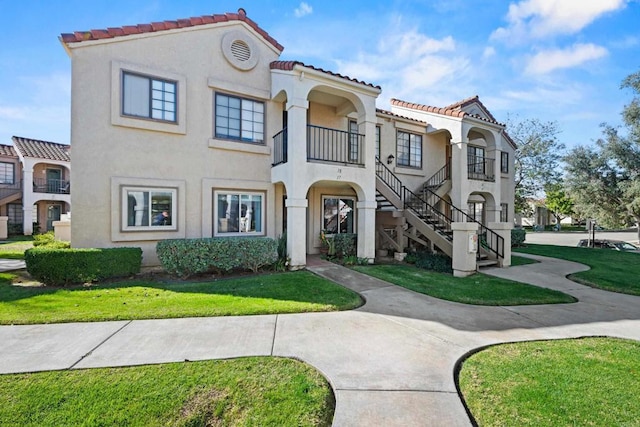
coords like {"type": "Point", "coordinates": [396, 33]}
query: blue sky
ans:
{"type": "Point", "coordinates": [560, 60]}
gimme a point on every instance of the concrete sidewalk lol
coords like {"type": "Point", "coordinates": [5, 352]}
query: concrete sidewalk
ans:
{"type": "Point", "coordinates": [390, 362]}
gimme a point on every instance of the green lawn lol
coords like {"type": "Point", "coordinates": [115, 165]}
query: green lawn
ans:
{"type": "Point", "coordinates": [610, 270]}
{"type": "Point", "coordinates": [520, 260]}
{"type": "Point", "coordinates": [588, 381]}
{"type": "Point", "coordinates": [14, 248]}
{"type": "Point", "coordinates": [291, 292]}
{"type": "Point", "coordinates": [251, 391]}
{"type": "Point", "coordinates": [477, 289]}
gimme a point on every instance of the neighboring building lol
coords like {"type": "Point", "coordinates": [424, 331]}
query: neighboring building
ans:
{"type": "Point", "coordinates": [34, 184]}
{"type": "Point", "coordinates": [195, 128]}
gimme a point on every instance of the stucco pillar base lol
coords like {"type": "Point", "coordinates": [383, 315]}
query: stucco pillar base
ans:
{"type": "Point", "coordinates": [503, 229]}
{"type": "Point", "coordinates": [4, 227]}
{"type": "Point", "coordinates": [465, 247]}
{"type": "Point", "coordinates": [297, 232]}
{"type": "Point", "coordinates": [366, 230]}
{"type": "Point", "coordinates": [62, 230]}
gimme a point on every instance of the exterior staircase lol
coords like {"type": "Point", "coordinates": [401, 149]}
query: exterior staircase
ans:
{"type": "Point", "coordinates": [430, 216]}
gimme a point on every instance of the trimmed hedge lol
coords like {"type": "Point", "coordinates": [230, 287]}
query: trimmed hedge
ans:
{"type": "Point", "coordinates": [518, 235]}
{"type": "Point", "coordinates": [186, 257]}
{"type": "Point", "coordinates": [67, 266]}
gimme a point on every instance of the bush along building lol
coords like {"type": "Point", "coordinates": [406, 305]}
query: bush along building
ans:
{"type": "Point", "coordinates": [195, 128]}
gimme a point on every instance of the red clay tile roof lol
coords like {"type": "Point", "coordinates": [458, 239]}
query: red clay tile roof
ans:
{"type": "Point", "coordinates": [109, 33]}
{"type": "Point", "coordinates": [7, 151]}
{"type": "Point", "coordinates": [469, 101]}
{"type": "Point", "coordinates": [41, 149]}
{"type": "Point", "coordinates": [453, 110]}
{"type": "Point", "coordinates": [389, 113]}
{"type": "Point", "coordinates": [289, 65]}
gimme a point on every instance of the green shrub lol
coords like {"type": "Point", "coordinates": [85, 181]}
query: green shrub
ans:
{"type": "Point", "coordinates": [186, 257]}
{"type": "Point", "coordinates": [67, 266]}
{"type": "Point", "coordinates": [411, 258]}
{"type": "Point", "coordinates": [518, 235]}
{"type": "Point", "coordinates": [43, 239]}
{"type": "Point", "coordinates": [345, 244]}
{"type": "Point", "coordinates": [434, 262]}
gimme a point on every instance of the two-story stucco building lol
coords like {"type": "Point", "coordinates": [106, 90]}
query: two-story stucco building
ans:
{"type": "Point", "coordinates": [196, 128]}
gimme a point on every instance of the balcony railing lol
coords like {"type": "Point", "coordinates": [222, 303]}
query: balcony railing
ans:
{"type": "Point", "coordinates": [51, 186]}
{"type": "Point", "coordinates": [280, 147]}
{"type": "Point", "coordinates": [7, 190]}
{"type": "Point", "coordinates": [336, 146]}
{"type": "Point", "coordinates": [481, 168]}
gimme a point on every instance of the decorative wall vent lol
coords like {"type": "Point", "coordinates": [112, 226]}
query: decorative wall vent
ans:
{"type": "Point", "coordinates": [240, 50]}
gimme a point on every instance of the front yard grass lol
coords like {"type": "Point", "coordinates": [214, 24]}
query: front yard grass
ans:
{"type": "Point", "coordinates": [14, 247]}
{"type": "Point", "coordinates": [250, 391]}
{"type": "Point", "coordinates": [610, 270]}
{"type": "Point", "coordinates": [293, 292]}
{"type": "Point", "coordinates": [579, 382]}
{"type": "Point", "coordinates": [478, 289]}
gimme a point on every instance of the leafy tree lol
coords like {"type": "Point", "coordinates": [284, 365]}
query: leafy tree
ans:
{"type": "Point", "coordinates": [605, 180]}
{"type": "Point", "coordinates": [558, 202]}
{"type": "Point", "coordinates": [537, 158]}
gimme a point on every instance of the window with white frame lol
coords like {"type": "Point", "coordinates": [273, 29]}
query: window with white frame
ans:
{"type": "Point", "coordinates": [238, 213]}
{"type": "Point", "coordinates": [338, 214]}
{"type": "Point", "coordinates": [504, 162]}
{"type": "Point", "coordinates": [149, 209]}
{"type": "Point", "coordinates": [239, 118]}
{"type": "Point", "coordinates": [409, 150]}
{"type": "Point", "coordinates": [149, 97]}
{"type": "Point", "coordinates": [7, 173]}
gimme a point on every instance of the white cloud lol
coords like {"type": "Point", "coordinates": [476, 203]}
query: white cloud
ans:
{"type": "Point", "coordinates": [302, 10]}
{"type": "Point", "coordinates": [541, 18]}
{"type": "Point", "coordinates": [546, 61]}
{"type": "Point", "coordinates": [489, 52]}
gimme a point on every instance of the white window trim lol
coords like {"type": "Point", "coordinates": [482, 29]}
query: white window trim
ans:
{"type": "Point", "coordinates": [262, 194]}
{"type": "Point", "coordinates": [146, 228]}
{"type": "Point", "coordinates": [355, 216]}
{"type": "Point", "coordinates": [118, 68]}
{"type": "Point", "coordinates": [178, 226]}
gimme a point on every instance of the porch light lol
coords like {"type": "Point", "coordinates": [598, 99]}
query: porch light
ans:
{"type": "Point", "coordinates": [390, 159]}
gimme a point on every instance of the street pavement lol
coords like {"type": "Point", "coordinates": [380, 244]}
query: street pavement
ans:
{"type": "Point", "coordinates": [571, 238]}
{"type": "Point", "coordinates": [391, 362]}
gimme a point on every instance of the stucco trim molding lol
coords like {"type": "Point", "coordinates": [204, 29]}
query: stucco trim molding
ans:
{"type": "Point", "coordinates": [243, 147]}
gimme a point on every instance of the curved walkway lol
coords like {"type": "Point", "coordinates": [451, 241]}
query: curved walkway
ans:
{"type": "Point", "coordinates": [391, 362]}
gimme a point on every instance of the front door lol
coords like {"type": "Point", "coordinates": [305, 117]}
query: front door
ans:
{"type": "Point", "coordinates": [53, 214]}
{"type": "Point", "coordinates": [54, 180]}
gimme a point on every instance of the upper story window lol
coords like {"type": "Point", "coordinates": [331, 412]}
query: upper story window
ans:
{"type": "Point", "coordinates": [7, 173]}
{"type": "Point", "coordinates": [378, 142]}
{"type": "Point", "coordinates": [504, 162]}
{"type": "Point", "coordinates": [149, 97]}
{"type": "Point", "coordinates": [409, 150]}
{"type": "Point", "coordinates": [475, 159]}
{"type": "Point", "coordinates": [353, 140]}
{"type": "Point", "coordinates": [239, 118]}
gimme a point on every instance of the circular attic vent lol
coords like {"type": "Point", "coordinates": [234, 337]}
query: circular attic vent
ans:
{"type": "Point", "coordinates": [240, 50]}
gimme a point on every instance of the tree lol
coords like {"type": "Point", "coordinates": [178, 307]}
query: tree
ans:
{"type": "Point", "coordinates": [605, 180]}
{"type": "Point", "coordinates": [537, 158]}
{"type": "Point", "coordinates": [558, 202]}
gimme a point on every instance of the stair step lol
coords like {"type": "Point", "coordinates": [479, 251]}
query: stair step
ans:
{"type": "Point", "coordinates": [486, 263]}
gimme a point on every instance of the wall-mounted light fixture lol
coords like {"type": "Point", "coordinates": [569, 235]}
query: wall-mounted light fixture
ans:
{"type": "Point", "coordinates": [390, 159]}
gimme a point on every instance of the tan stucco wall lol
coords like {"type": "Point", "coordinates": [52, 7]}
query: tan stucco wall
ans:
{"type": "Point", "coordinates": [185, 155]}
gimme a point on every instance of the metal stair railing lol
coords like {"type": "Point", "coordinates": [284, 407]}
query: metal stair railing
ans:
{"type": "Point", "coordinates": [425, 209]}
{"type": "Point", "coordinates": [439, 178]}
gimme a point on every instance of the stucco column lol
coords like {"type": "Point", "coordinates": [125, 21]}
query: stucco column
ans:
{"type": "Point", "coordinates": [297, 133]}
{"type": "Point", "coordinates": [459, 175]}
{"type": "Point", "coordinates": [27, 201]}
{"type": "Point", "coordinates": [297, 232]}
{"type": "Point", "coordinates": [27, 219]}
{"type": "Point", "coordinates": [4, 227]}
{"type": "Point", "coordinates": [465, 248]}
{"type": "Point", "coordinates": [503, 229]}
{"type": "Point", "coordinates": [366, 229]}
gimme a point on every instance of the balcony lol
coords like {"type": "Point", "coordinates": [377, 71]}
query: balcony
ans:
{"type": "Point", "coordinates": [323, 145]}
{"type": "Point", "coordinates": [481, 169]}
{"type": "Point", "coordinates": [8, 190]}
{"type": "Point", "coordinates": [51, 186]}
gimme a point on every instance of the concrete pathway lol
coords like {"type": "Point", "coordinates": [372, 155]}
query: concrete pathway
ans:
{"type": "Point", "coordinates": [11, 264]}
{"type": "Point", "coordinates": [390, 362]}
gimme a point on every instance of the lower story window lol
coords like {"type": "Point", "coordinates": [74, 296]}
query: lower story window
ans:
{"type": "Point", "coordinates": [504, 212]}
{"type": "Point", "coordinates": [14, 212]}
{"type": "Point", "coordinates": [149, 209]}
{"type": "Point", "coordinates": [338, 214]}
{"type": "Point", "coordinates": [238, 213]}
